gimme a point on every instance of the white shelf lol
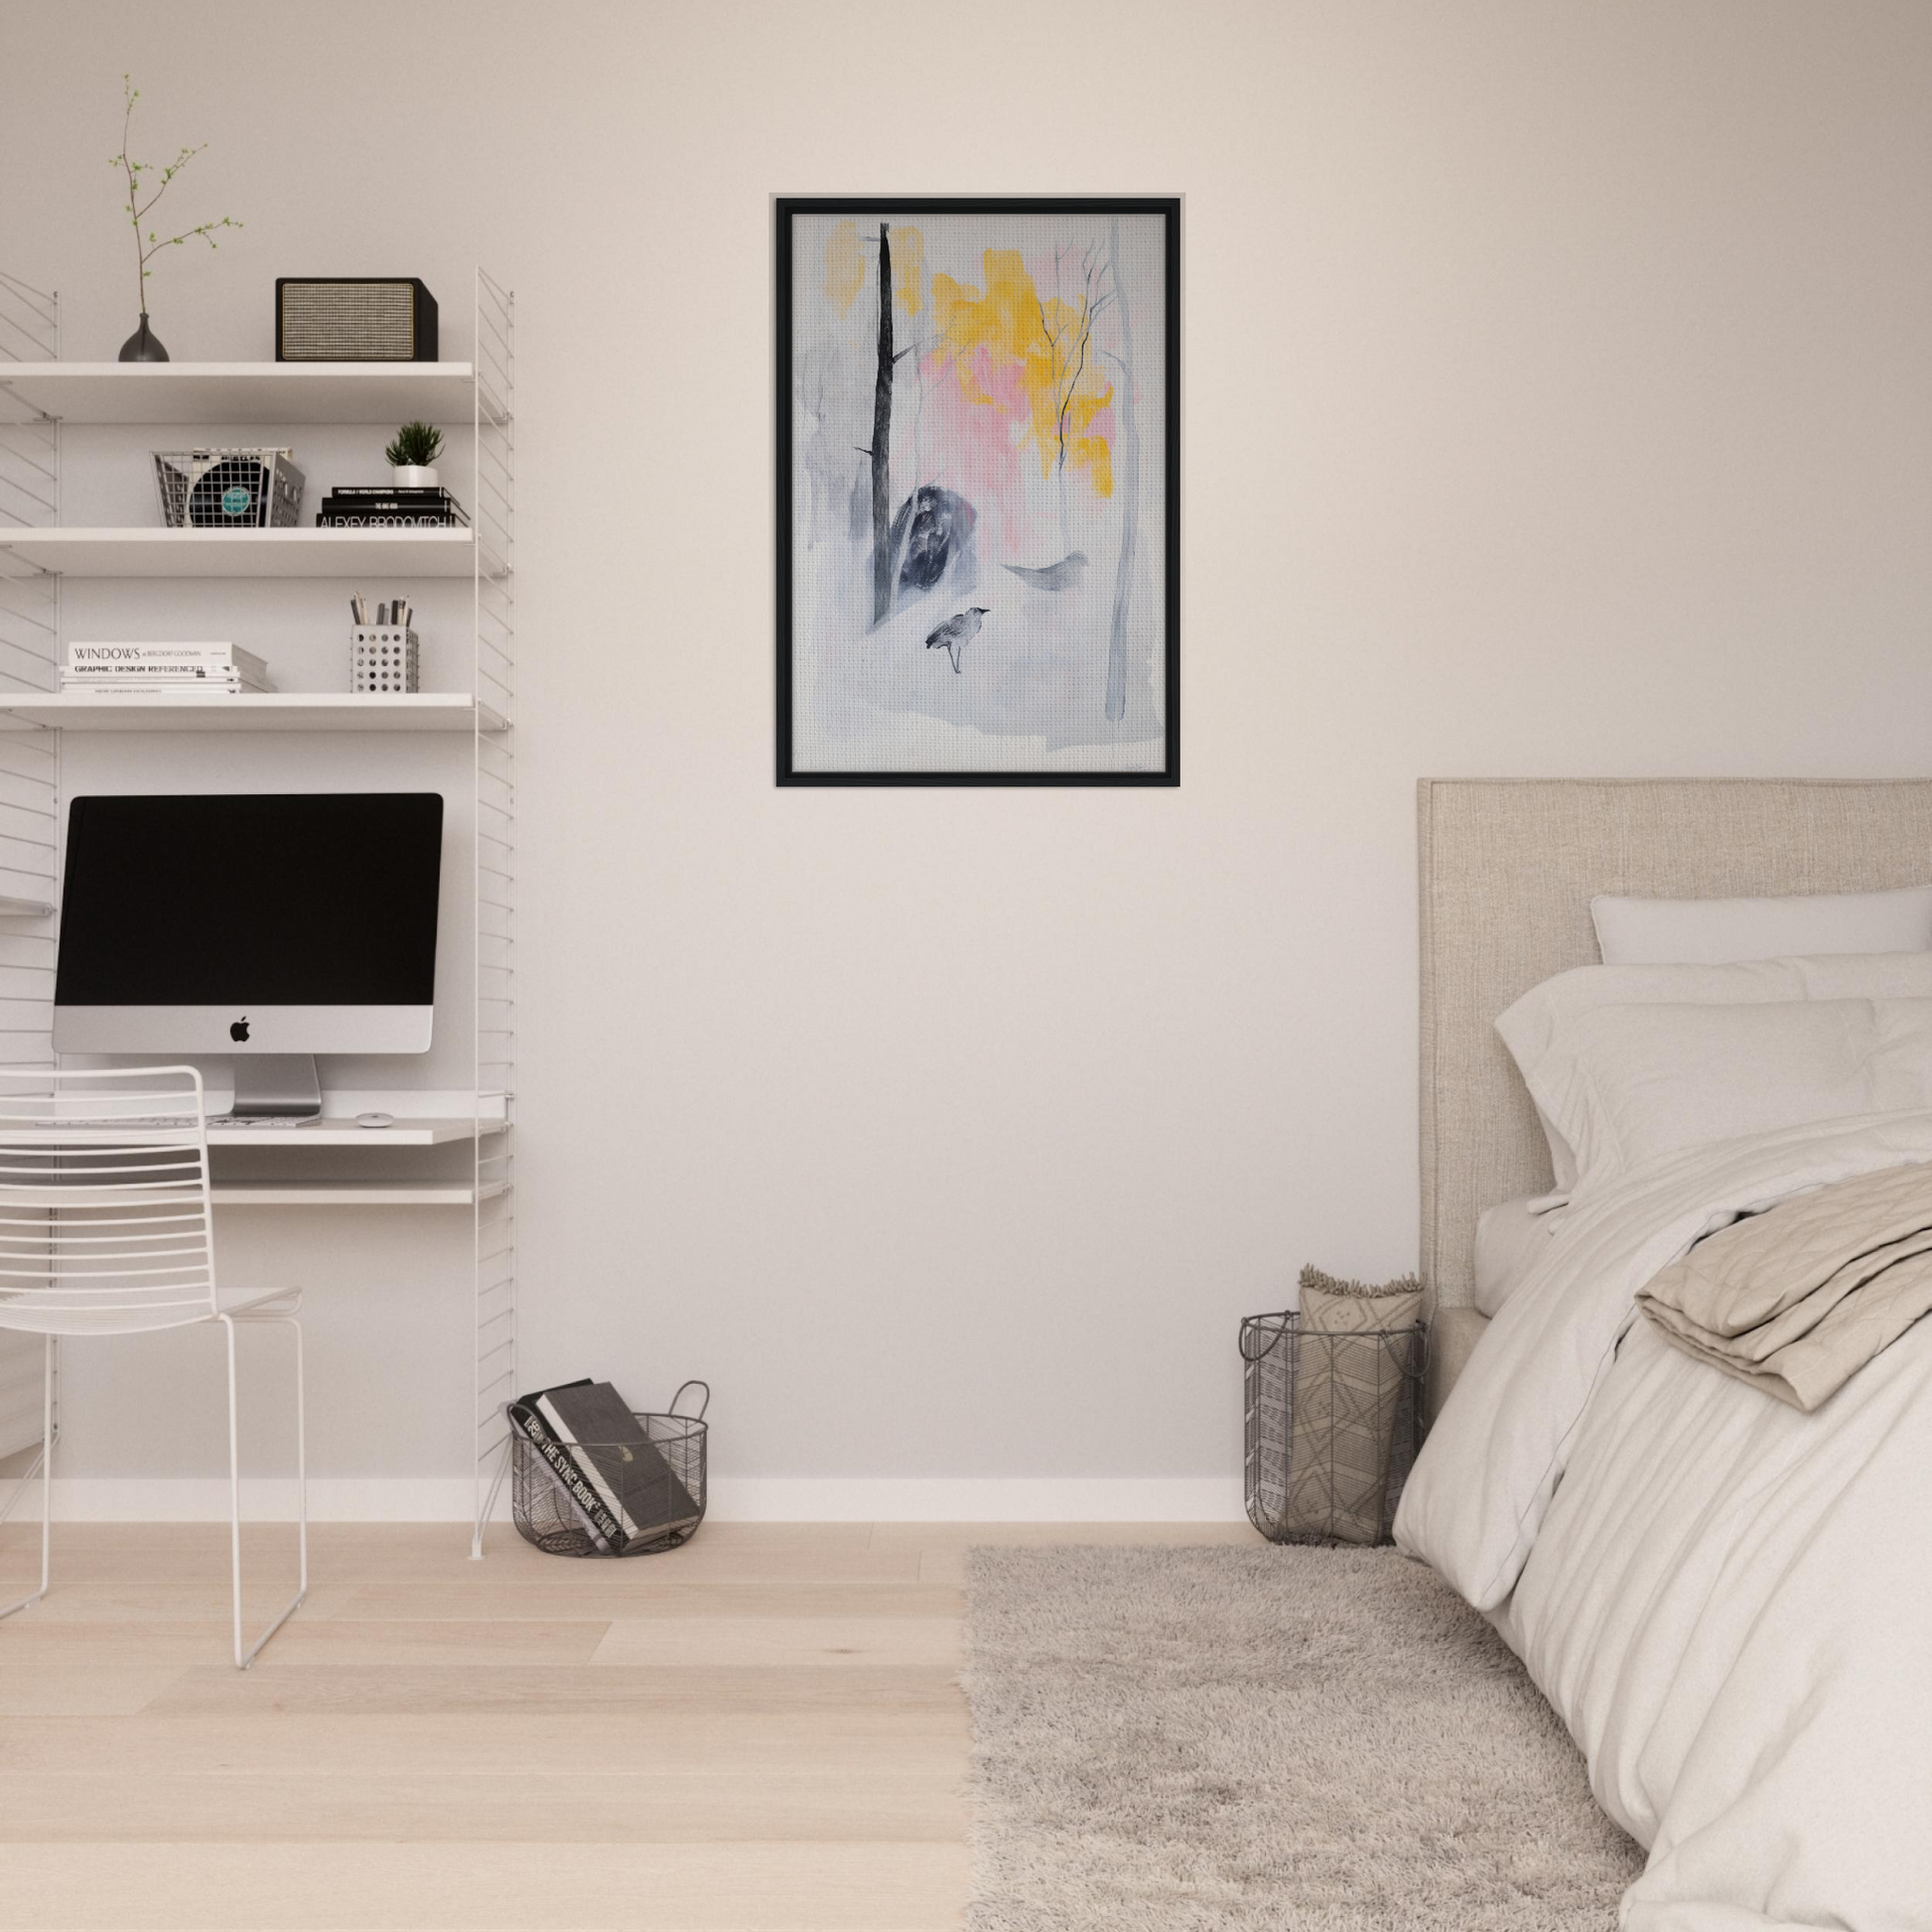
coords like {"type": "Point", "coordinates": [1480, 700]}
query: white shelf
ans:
{"type": "Point", "coordinates": [345, 1133]}
{"type": "Point", "coordinates": [391, 554]}
{"type": "Point", "coordinates": [258, 711]}
{"type": "Point", "coordinates": [348, 1193]}
{"type": "Point", "coordinates": [384, 393]}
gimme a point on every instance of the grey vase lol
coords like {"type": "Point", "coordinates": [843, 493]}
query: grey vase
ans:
{"type": "Point", "coordinates": [144, 345]}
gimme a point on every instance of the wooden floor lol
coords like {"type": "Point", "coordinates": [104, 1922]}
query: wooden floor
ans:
{"type": "Point", "coordinates": [758, 1732]}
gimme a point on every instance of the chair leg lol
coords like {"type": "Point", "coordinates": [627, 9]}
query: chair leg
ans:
{"type": "Point", "coordinates": [242, 1659]}
{"type": "Point", "coordinates": [47, 1483]}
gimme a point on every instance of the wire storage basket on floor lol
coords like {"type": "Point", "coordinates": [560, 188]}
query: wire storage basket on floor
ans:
{"type": "Point", "coordinates": [657, 1494]}
{"type": "Point", "coordinates": [1334, 1423]}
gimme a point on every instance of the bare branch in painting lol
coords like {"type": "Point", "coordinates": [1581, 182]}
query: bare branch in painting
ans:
{"type": "Point", "coordinates": [881, 441]}
{"type": "Point", "coordinates": [1130, 493]}
{"type": "Point", "coordinates": [1068, 344]}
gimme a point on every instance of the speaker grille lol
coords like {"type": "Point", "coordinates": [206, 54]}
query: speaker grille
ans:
{"type": "Point", "coordinates": [348, 322]}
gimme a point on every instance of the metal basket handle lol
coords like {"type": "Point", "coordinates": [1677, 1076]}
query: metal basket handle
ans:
{"type": "Point", "coordinates": [1392, 1339]}
{"type": "Point", "coordinates": [1259, 1324]}
{"type": "Point", "coordinates": [694, 1383]}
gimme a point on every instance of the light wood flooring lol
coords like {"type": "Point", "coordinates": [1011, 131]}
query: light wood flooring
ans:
{"type": "Point", "coordinates": [758, 1732]}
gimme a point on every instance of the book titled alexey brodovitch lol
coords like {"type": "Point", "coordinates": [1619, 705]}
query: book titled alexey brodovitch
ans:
{"type": "Point", "coordinates": [617, 1481]}
{"type": "Point", "coordinates": [378, 506]}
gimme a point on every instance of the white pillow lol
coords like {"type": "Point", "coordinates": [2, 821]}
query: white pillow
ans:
{"type": "Point", "coordinates": [1530, 1027]}
{"type": "Point", "coordinates": [1627, 1083]}
{"type": "Point", "coordinates": [1714, 931]}
{"type": "Point", "coordinates": [1512, 1238]}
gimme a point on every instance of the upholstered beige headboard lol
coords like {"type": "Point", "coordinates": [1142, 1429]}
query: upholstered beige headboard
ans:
{"type": "Point", "coordinates": [1507, 870]}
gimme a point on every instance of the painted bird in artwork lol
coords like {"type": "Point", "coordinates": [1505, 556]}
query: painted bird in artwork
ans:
{"type": "Point", "coordinates": [957, 632]}
{"type": "Point", "coordinates": [1063, 576]}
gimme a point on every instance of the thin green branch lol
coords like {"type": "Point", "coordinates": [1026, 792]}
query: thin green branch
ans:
{"type": "Point", "coordinates": [148, 245]}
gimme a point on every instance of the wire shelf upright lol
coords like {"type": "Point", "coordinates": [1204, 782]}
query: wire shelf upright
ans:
{"type": "Point", "coordinates": [494, 500]}
{"type": "Point", "coordinates": [30, 775]}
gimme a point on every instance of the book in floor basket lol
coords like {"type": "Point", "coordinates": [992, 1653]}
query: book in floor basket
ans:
{"type": "Point", "coordinates": [616, 1478]}
{"type": "Point", "coordinates": [600, 1525]}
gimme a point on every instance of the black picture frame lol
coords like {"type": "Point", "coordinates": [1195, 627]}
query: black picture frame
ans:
{"type": "Point", "coordinates": [789, 209]}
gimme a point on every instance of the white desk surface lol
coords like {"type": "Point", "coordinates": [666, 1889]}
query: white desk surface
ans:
{"type": "Point", "coordinates": [333, 1132]}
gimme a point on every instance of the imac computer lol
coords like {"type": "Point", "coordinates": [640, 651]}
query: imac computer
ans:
{"type": "Point", "coordinates": [269, 927]}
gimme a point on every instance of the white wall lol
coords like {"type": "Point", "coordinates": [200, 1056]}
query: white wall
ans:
{"type": "Point", "coordinates": [1558, 399]}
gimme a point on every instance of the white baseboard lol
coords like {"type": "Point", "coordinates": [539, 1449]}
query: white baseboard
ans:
{"type": "Point", "coordinates": [977, 1499]}
{"type": "Point", "coordinates": [733, 1499]}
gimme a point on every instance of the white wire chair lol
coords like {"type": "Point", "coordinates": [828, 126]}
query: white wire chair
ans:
{"type": "Point", "coordinates": [107, 1229]}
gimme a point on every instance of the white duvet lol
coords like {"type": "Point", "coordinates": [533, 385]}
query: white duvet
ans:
{"type": "Point", "coordinates": [1729, 1601]}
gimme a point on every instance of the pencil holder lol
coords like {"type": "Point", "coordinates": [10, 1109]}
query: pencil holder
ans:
{"type": "Point", "coordinates": [382, 659]}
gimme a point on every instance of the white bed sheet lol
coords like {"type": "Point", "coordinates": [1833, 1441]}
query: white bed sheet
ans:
{"type": "Point", "coordinates": [1728, 1603]}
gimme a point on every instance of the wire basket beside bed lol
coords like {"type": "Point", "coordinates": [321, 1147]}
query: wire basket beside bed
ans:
{"type": "Point", "coordinates": [1332, 1426]}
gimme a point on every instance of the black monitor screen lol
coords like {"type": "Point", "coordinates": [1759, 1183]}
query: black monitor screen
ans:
{"type": "Point", "coordinates": [276, 899]}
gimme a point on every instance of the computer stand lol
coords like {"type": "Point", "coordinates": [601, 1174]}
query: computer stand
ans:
{"type": "Point", "coordinates": [276, 1086]}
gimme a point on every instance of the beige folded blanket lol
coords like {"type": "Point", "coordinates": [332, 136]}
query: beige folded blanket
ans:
{"type": "Point", "coordinates": [1799, 1298]}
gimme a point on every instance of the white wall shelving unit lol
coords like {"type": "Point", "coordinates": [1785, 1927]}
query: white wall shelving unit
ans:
{"type": "Point", "coordinates": [259, 711]}
{"type": "Point", "coordinates": [348, 1193]}
{"type": "Point", "coordinates": [245, 392]}
{"type": "Point", "coordinates": [250, 553]}
{"type": "Point", "coordinates": [39, 393]}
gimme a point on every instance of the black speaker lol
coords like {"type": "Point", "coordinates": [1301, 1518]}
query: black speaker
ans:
{"type": "Point", "coordinates": [354, 319]}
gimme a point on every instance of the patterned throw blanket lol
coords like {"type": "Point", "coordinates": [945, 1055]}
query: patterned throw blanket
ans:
{"type": "Point", "coordinates": [1798, 1300]}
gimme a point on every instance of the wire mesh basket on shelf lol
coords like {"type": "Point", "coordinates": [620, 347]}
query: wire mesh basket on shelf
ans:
{"type": "Point", "coordinates": [658, 1500]}
{"type": "Point", "coordinates": [228, 489]}
{"type": "Point", "coordinates": [1334, 1423]}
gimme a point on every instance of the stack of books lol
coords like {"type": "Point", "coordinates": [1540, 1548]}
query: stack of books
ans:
{"type": "Point", "coordinates": [616, 1481]}
{"type": "Point", "coordinates": [382, 506]}
{"type": "Point", "coordinates": [201, 668]}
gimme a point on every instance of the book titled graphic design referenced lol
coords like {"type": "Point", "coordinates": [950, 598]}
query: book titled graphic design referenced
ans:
{"type": "Point", "coordinates": [124, 667]}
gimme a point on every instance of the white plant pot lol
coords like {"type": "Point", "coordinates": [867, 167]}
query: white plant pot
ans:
{"type": "Point", "coordinates": [413, 476]}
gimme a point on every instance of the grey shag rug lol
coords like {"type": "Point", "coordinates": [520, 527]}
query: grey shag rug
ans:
{"type": "Point", "coordinates": [1296, 1739]}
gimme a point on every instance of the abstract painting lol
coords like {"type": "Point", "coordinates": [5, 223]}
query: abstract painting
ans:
{"type": "Point", "coordinates": [978, 491]}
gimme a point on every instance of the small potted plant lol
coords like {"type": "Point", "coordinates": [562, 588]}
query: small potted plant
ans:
{"type": "Point", "coordinates": [412, 455]}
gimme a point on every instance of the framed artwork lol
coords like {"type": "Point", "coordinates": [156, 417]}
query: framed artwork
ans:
{"type": "Point", "coordinates": [979, 491]}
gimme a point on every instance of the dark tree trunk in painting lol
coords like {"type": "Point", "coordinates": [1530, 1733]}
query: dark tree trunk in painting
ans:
{"type": "Point", "coordinates": [882, 442]}
{"type": "Point", "coordinates": [1130, 508]}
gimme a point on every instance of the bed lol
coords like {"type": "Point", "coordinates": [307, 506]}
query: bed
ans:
{"type": "Point", "coordinates": [1728, 1602]}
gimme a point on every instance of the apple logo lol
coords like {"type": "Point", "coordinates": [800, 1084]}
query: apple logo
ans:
{"type": "Point", "coordinates": [240, 1030]}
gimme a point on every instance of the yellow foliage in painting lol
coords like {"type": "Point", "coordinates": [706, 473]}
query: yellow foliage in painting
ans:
{"type": "Point", "coordinates": [845, 265]}
{"type": "Point", "coordinates": [909, 269]}
{"type": "Point", "coordinates": [1046, 345]}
